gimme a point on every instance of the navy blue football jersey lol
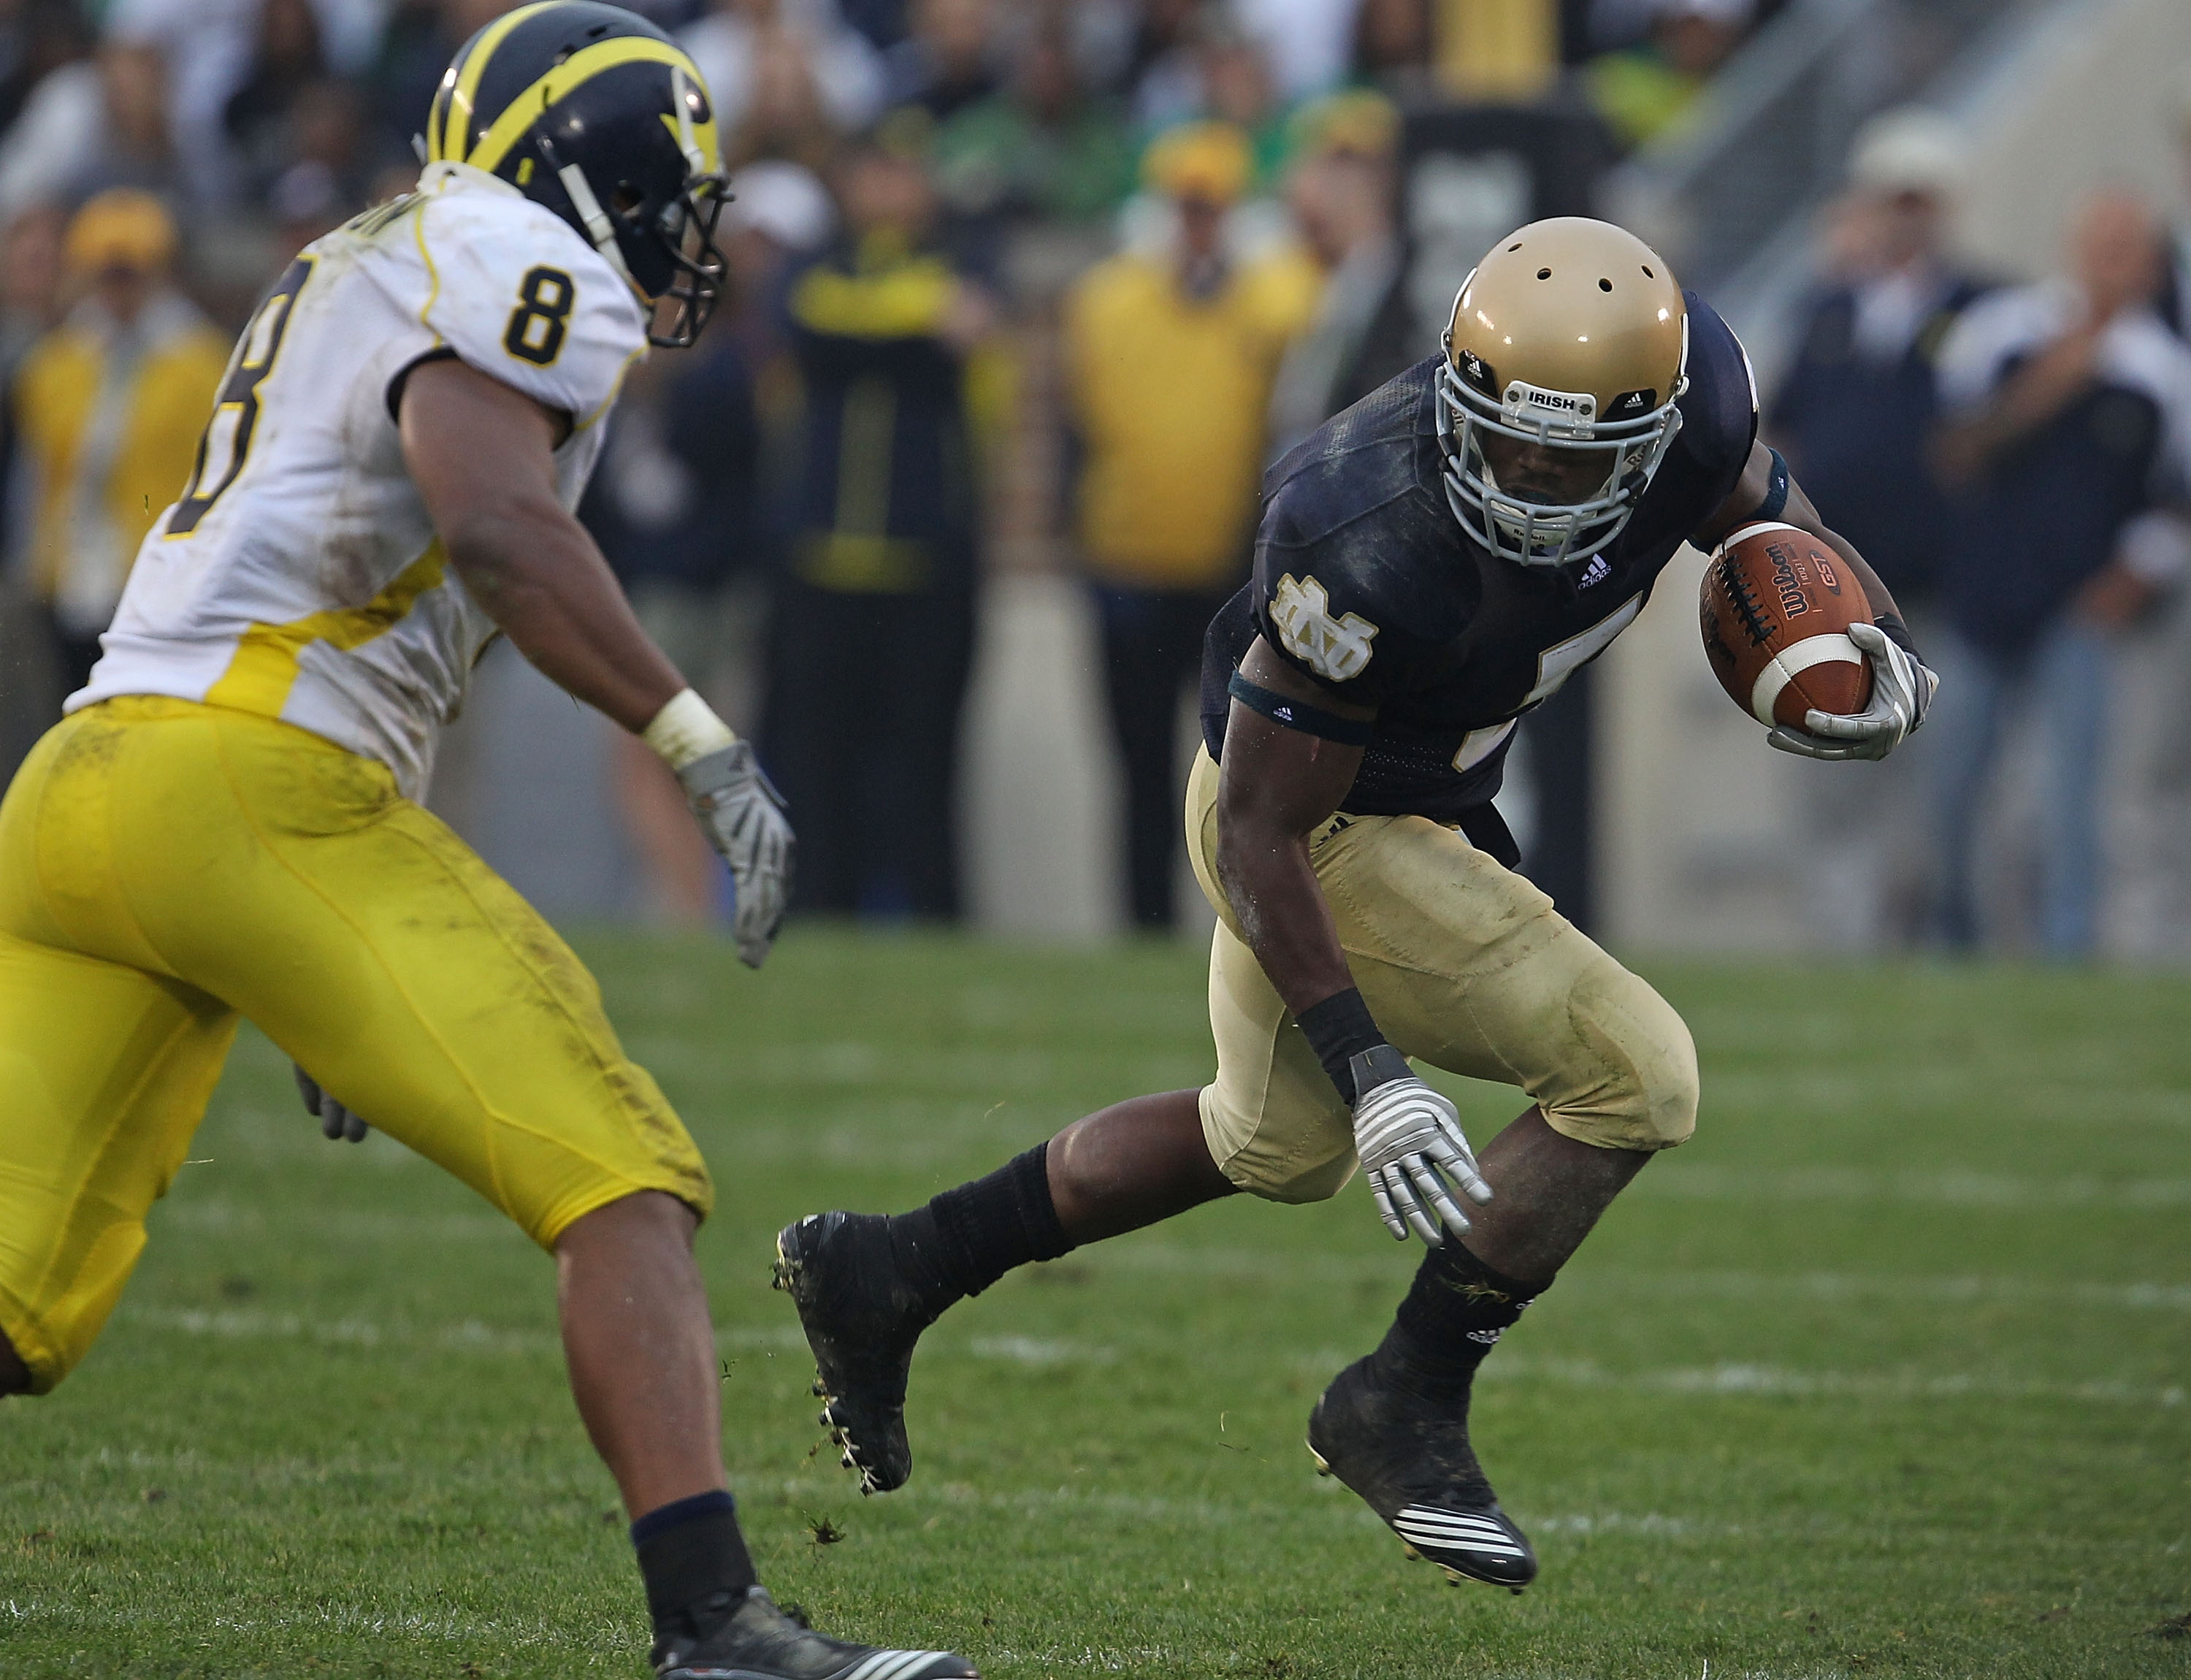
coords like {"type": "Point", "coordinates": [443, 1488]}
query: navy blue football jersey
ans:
{"type": "Point", "coordinates": [1365, 582]}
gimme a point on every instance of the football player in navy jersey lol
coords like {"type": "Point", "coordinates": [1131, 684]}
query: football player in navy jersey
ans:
{"type": "Point", "coordinates": [1431, 564]}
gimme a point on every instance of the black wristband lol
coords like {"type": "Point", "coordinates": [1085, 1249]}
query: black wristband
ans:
{"type": "Point", "coordinates": [1776, 492]}
{"type": "Point", "coordinates": [1291, 713]}
{"type": "Point", "coordinates": [1891, 627]}
{"type": "Point", "coordinates": [1339, 1029]}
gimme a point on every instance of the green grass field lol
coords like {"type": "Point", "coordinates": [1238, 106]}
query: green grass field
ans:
{"type": "Point", "coordinates": [1885, 1374]}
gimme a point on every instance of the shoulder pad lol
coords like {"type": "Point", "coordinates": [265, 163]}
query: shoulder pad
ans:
{"type": "Point", "coordinates": [515, 294]}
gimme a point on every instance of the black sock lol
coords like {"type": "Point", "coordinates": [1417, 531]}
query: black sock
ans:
{"type": "Point", "coordinates": [695, 1563]}
{"type": "Point", "coordinates": [968, 1238]}
{"type": "Point", "coordinates": [1456, 1310]}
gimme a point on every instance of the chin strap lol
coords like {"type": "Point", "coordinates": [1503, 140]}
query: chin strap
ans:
{"type": "Point", "coordinates": [600, 230]}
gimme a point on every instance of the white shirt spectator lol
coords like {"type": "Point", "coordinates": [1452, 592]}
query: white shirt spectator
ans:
{"type": "Point", "coordinates": [56, 140]}
{"type": "Point", "coordinates": [209, 46]}
{"type": "Point", "coordinates": [848, 72]}
{"type": "Point", "coordinates": [2135, 352]}
{"type": "Point", "coordinates": [1309, 42]}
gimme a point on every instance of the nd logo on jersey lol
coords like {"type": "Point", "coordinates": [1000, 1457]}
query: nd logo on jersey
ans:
{"type": "Point", "coordinates": [1335, 649]}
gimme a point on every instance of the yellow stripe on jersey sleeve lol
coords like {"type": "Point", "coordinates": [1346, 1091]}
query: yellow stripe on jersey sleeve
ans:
{"type": "Point", "coordinates": [264, 668]}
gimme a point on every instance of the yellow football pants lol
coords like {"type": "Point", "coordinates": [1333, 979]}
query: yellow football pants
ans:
{"type": "Point", "coordinates": [166, 867]}
{"type": "Point", "coordinates": [1466, 966]}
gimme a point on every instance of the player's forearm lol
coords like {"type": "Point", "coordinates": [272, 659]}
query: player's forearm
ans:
{"type": "Point", "coordinates": [538, 574]}
{"type": "Point", "coordinates": [1283, 915]}
{"type": "Point", "coordinates": [1803, 514]}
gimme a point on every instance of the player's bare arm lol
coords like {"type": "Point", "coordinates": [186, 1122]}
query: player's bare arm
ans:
{"type": "Point", "coordinates": [482, 455]}
{"type": "Point", "coordinates": [1277, 785]}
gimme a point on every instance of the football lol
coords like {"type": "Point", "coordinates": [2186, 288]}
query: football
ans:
{"type": "Point", "coordinates": [1776, 606]}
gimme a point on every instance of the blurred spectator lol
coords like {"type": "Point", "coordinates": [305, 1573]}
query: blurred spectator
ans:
{"type": "Point", "coordinates": [1854, 417]}
{"type": "Point", "coordinates": [322, 184]}
{"type": "Point", "coordinates": [296, 131]}
{"type": "Point", "coordinates": [1854, 413]}
{"type": "Point", "coordinates": [674, 505]}
{"type": "Point", "coordinates": [1165, 82]}
{"type": "Point", "coordinates": [2175, 301]}
{"type": "Point", "coordinates": [1237, 88]}
{"type": "Point", "coordinates": [32, 272]}
{"type": "Point", "coordinates": [678, 508]}
{"type": "Point", "coordinates": [779, 213]}
{"type": "Point", "coordinates": [108, 408]}
{"type": "Point", "coordinates": [98, 124]}
{"type": "Point", "coordinates": [207, 47]}
{"type": "Point", "coordinates": [259, 116]}
{"type": "Point", "coordinates": [943, 65]}
{"type": "Point", "coordinates": [2068, 408]}
{"type": "Point", "coordinates": [784, 116]}
{"type": "Point", "coordinates": [1306, 44]}
{"type": "Point", "coordinates": [1214, 69]}
{"type": "Point", "coordinates": [417, 41]}
{"type": "Point", "coordinates": [880, 22]}
{"type": "Point", "coordinates": [1043, 147]}
{"type": "Point", "coordinates": [874, 626]}
{"type": "Point", "coordinates": [1169, 359]}
{"type": "Point", "coordinates": [37, 37]}
{"type": "Point", "coordinates": [1392, 46]}
{"type": "Point", "coordinates": [1342, 197]}
{"type": "Point", "coordinates": [734, 43]}
{"type": "Point", "coordinates": [1645, 91]}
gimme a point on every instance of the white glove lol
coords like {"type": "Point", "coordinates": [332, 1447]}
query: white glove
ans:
{"type": "Point", "coordinates": [337, 1123]}
{"type": "Point", "coordinates": [1901, 690]}
{"type": "Point", "coordinates": [743, 816]}
{"type": "Point", "coordinates": [1410, 1141]}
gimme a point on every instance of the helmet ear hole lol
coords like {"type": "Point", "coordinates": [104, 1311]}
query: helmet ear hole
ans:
{"type": "Point", "coordinates": [1605, 284]}
{"type": "Point", "coordinates": [1544, 274]}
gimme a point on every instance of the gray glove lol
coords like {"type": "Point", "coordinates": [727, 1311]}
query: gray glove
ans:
{"type": "Point", "coordinates": [1901, 690]}
{"type": "Point", "coordinates": [743, 816]}
{"type": "Point", "coordinates": [336, 1121]}
{"type": "Point", "coordinates": [1410, 1141]}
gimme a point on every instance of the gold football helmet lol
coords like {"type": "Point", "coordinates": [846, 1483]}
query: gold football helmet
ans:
{"type": "Point", "coordinates": [1568, 350]}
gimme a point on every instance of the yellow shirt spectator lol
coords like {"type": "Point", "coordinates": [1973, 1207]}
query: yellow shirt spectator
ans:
{"type": "Point", "coordinates": [109, 417]}
{"type": "Point", "coordinates": [109, 407]}
{"type": "Point", "coordinates": [1170, 392]}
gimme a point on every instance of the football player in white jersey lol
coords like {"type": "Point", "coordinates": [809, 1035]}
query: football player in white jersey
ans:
{"type": "Point", "coordinates": [225, 823]}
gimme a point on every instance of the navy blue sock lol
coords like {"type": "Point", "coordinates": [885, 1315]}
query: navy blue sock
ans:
{"type": "Point", "coordinates": [966, 1239]}
{"type": "Point", "coordinates": [694, 1562]}
{"type": "Point", "coordinates": [1454, 1313]}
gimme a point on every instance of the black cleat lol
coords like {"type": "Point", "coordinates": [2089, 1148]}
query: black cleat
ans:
{"type": "Point", "coordinates": [862, 1318]}
{"type": "Point", "coordinates": [1409, 1458]}
{"type": "Point", "coordinates": [763, 1642]}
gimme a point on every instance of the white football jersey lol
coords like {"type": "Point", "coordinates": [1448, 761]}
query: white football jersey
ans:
{"type": "Point", "coordinates": [298, 576]}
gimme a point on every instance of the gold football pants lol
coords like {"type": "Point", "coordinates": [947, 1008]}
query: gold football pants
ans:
{"type": "Point", "coordinates": [1465, 965]}
{"type": "Point", "coordinates": [166, 867]}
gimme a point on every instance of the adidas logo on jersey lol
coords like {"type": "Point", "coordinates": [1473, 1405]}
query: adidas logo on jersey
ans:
{"type": "Point", "coordinates": [1595, 572]}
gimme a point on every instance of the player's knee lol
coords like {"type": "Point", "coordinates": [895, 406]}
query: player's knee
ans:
{"type": "Point", "coordinates": [1638, 1088]}
{"type": "Point", "coordinates": [1318, 1182]}
{"type": "Point", "coordinates": [1267, 1155]}
{"type": "Point", "coordinates": [642, 1216]}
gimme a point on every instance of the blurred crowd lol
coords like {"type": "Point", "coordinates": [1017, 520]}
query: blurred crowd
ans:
{"type": "Point", "coordinates": [1006, 270]}
{"type": "Point", "coordinates": [999, 266]}
{"type": "Point", "coordinates": [2016, 462]}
